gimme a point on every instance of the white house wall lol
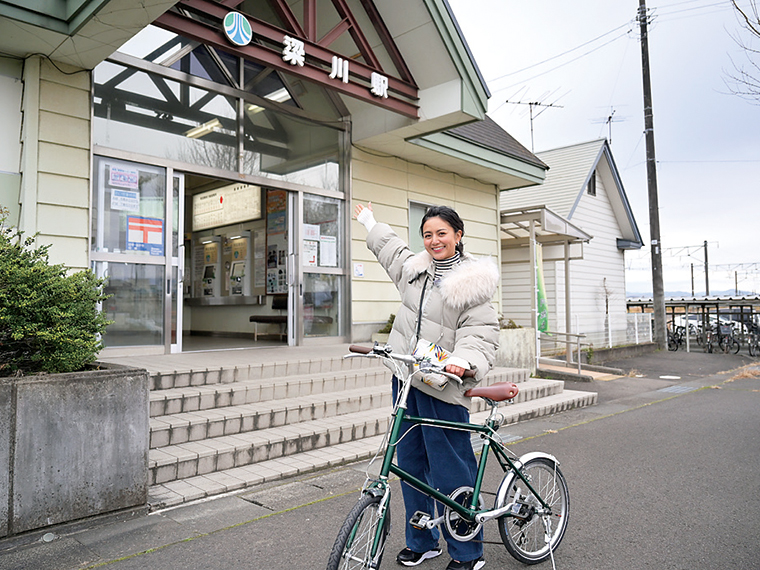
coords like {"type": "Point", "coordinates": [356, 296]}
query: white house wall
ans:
{"type": "Point", "coordinates": [600, 276]}
{"type": "Point", "coordinates": [390, 183]}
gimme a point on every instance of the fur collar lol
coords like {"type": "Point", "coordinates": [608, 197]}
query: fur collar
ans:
{"type": "Point", "coordinates": [472, 282]}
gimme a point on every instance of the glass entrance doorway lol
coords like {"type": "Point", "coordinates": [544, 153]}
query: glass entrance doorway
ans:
{"type": "Point", "coordinates": [197, 263]}
{"type": "Point", "coordinates": [136, 247]}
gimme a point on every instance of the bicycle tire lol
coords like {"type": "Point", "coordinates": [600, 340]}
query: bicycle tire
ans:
{"type": "Point", "coordinates": [751, 348]}
{"type": "Point", "coordinates": [353, 545]}
{"type": "Point", "coordinates": [736, 346]}
{"type": "Point", "coordinates": [672, 344]}
{"type": "Point", "coordinates": [524, 536]}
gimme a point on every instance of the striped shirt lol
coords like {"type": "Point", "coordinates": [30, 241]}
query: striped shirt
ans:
{"type": "Point", "coordinates": [441, 267]}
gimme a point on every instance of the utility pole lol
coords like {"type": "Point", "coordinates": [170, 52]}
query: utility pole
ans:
{"type": "Point", "coordinates": [658, 290]}
{"type": "Point", "coordinates": [531, 105]}
{"type": "Point", "coordinates": [707, 276]}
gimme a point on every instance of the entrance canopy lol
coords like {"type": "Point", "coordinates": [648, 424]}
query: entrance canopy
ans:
{"type": "Point", "coordinates": [526, 226]}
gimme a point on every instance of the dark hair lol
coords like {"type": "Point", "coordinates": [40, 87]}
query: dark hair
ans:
{"type": "Point", "coordinates": [449, 216]}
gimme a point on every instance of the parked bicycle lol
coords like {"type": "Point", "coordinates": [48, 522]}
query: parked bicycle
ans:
{"type": "Point", "coordinates": [532, 503]}
{"type": "Point", "coordinates": [753, 343]}
{"type": "Point", "coordinates": [727, 341]}
{"type": "Point", "coordinates": [676, 338]}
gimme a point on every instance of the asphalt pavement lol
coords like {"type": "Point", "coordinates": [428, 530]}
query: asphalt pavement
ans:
{"type": "Point", "coordinates": [663, 473]}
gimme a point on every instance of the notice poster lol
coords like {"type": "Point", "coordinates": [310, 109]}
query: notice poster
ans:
{"type": "Point", "coordinates": [310, 251]}
{"type": "Point", "coordinates": [145, 234]}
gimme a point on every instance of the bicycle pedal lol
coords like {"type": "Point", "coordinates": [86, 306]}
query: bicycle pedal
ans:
{"type": "Point", "coordinates": [419, 520]}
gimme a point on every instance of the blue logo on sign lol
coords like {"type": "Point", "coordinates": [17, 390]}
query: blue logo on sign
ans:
{"type": "Point", "coordinates": [237, 28]}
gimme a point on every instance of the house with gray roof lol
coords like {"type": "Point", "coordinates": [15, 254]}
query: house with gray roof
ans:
{"type": "Point", "coordinates": [583, 187]}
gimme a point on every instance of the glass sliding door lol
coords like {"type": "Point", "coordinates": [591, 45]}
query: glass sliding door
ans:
{"type": "Point", "coordinates": [135, 246]}
{"type": "Point", "coordinates": [322, 277]}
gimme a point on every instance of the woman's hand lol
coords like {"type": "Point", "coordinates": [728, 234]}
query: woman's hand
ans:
{"type": "Point", "coordinates": [364, 215]}
{"type": "Point", "coordinates": [454, 369]}
{"type": "Point", "coordinates": [359, 207]}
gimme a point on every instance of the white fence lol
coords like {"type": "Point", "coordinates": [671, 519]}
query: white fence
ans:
{"type": "Point", "coordinates": [638, 330]}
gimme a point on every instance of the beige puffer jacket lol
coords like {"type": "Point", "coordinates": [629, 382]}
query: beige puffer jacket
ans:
{"type": "Point", "coordinates": [457, 314]}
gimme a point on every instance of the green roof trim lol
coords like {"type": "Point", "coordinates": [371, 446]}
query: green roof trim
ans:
{"type": "Point", "coordinates": [474, 90]}
{"type": "Point", "coordinates": [461, 149]}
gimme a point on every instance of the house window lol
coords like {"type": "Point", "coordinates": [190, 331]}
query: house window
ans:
{"type": "Point", "coordinates": [416, 212]}
{"type": "Point", "coordinates": [591, 187]}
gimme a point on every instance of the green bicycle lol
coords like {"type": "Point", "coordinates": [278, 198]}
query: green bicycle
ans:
{"type": "Point", "coordinates": [532, 503]}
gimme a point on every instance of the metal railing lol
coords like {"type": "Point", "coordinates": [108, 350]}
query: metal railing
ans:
{"type": "Point", "coordinates": [568, 340]}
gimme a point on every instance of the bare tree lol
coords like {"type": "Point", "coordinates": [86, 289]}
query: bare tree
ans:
{"type": "Point", "coordinates": [745, 79]}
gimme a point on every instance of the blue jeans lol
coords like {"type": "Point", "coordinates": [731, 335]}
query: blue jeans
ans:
{"type": "Point", "coordinates": [443, 459]}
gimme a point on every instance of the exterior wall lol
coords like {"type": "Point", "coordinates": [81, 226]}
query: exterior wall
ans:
{"type": "Point", "coordinates": [516, 292]}
{"type": "Point", "coordinates": [55, 161]}
{"type": "Point", "coordinates": [598, 280]}
{"type": "Point", "coordinates": [390, 183]}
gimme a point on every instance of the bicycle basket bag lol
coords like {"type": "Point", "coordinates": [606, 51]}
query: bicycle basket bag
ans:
{"type": "Point", "coordinates": [431, 352]}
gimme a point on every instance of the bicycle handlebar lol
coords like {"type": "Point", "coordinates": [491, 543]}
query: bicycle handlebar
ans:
{"type": "Point", "coordinates": [387, 352]}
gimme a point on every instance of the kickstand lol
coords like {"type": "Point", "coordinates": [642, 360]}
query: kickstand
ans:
{"type": "Point", "coordinates": [548, 537]}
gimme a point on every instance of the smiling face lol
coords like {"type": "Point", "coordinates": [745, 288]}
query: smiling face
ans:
{"type": "Point", "coordinates": [439, 238]}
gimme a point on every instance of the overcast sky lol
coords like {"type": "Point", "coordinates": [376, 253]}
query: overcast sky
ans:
{"type": "Point", "coordinates": [585, 57]}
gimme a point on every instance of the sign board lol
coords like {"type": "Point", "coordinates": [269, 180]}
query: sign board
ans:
{"type": "Point", "coordinates": [227, 205]}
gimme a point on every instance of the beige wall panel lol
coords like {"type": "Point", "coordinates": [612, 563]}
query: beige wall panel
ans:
{"type": "Point", "coordinates": [70, 251]}
{"type": "Point", "coordinates": [64, 160]}
{"type": "Point", "coordinates": [74, 77]}
{"type": "Point", "coordinates": [64, 130]}
{"type": "Point", "coordinates": [63, 221]}
{"type": "Point", "coordinates": [379, 174]}
{"type": "Point", "coordinates": [422, 171]}
{"type": "Point", "coordinates": [63, 190]}
{"type": "Point", "coordinates": [64, 100]}
{"type": "Point", "coordinates": [477, 197]}
{"type": "Point", "coordinates": [431, 191]}
{"type": "Point", "coordinates": [364, 192]}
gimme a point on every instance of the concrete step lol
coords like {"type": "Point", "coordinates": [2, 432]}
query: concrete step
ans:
{"type": "Point", "coordinates": [208, 422]}
{"type": "Point", "coordinates": [184, 399]}
{"type": "Point", "coordinates": [203, 456]}
{"type": "Point", "coordinates": [229, 476]}
{"type": "Point", "coordinates": [259, 371]}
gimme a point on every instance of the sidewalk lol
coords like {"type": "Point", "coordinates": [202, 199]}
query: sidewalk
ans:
{"type": "Point", "coordinates": [121, 540]}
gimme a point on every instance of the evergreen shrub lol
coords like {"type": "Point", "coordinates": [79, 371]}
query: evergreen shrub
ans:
{"type": "Point", "coordinates": [49, 320]}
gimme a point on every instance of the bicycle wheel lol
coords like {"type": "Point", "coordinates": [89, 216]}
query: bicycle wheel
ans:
{"type": "Point", "coordinates": [353, 545]}
{"type": "Point", "coordinates": [672, 343]}
{"type": "Point", "coordinates": [523, 532]}
{"type": "Point", "coordinates": [735, 346]}
{"type": "Point", "coordinates": [751, 348]}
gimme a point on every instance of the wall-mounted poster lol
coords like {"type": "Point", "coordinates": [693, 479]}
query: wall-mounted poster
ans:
{"type": "Point", "coordinates": [277, 242]}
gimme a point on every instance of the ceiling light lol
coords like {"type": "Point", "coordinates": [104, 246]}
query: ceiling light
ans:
{"type": "Point", "coordinates": [204, 129]}
{"type": "Point", "coordinates": [279, 96]}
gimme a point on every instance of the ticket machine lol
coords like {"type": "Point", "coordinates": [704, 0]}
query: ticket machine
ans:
{"type": "Point", "coordinates": [241, 269]}
{"type": "Point", "coordinates": [211, 279]}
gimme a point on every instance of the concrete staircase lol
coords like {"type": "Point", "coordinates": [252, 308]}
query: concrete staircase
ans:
{"type": "Point", "coordinates": [216, 431]}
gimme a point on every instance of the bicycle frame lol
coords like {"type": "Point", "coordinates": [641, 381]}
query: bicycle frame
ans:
{"type": "Point", "coordinates": [469, 512]}
{"type": "Point", "coordinates": [531, 525]}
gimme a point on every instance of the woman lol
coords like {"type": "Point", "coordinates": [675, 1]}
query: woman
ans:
{"type": "Point", "coordinates": [446, 300]}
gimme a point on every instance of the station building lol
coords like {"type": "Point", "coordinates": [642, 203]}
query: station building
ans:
{"type": "Point", "coordinates": [205, 155]}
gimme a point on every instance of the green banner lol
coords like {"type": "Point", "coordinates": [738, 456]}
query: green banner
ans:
{"type": "Point", "coordinates": [542, 321]}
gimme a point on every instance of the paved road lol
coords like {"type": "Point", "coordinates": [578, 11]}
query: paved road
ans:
{"type": "Point", "coordinates": [663, 474]}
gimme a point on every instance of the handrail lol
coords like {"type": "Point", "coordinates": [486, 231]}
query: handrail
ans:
{"type": "Point", "coordinates": [568, 359]}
